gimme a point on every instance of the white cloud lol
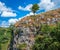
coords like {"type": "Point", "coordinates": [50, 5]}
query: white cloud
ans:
{"type": "Point", "coordinates": [3, 7]}
{"type": "Point", "coordinates": [8, 23]}
{"type": "Point", "coordinates": [6, 14]}
{"type": "Point", "coordinates": [28, 15]}
{"type": "Point", "coordinates": [57, 3]}
{"type": "Point", "coordinates": [12, 21]}
{"type": "Point", "coordinates": [27, 8]}
{"type": "Point", "coordinates": [20, 18]}
{"type": "Point", "coordinates": [46, 5]}
{"type": "Point", "coordinates": [6, 11]}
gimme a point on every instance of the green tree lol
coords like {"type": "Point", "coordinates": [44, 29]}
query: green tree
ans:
{"type": "Point", "coordinates": [34, 8]}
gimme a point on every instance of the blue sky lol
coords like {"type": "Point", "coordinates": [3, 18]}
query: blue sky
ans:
{"type": "Point", "coordinates": [13, 10]}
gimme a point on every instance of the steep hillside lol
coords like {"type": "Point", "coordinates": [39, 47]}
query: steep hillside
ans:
{"type": "Point", "coordinates": [50, 17]}
{"type": "Point", "coordinates": [29, 27]}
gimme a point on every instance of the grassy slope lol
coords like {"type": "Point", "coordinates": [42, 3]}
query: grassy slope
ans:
{"type": "Point", "coordinates": [6, 33]}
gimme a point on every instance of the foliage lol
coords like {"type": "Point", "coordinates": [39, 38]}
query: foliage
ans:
{"type": "Point", "coordinates": [54, 46]}
{"type": "Point", "coordinates": [4, 38]}
{"type": "Point", "coordinates": [45, 29]}
{"type": "Point", "coordinates": [22, 46]}
{"type": "Point", "coordinates": [34, 8]}
{"type": "Point", "coordinates": [49, 42]}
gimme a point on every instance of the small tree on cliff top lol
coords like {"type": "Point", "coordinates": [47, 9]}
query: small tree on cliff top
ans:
{"type": "Point", "coordinates": [34, 8]}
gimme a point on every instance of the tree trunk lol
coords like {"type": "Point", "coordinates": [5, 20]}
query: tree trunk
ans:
{"type": "Point", "coordinates": [34, 14]}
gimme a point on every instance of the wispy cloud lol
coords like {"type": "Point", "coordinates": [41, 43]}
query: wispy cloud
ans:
{"type": "Point", "coordinates": [8, 14]}
{"type": "Point", "coordinates": [12, 21]}
{"type": "Point", "coordinates": [8, 23]}
{"type": "Point", "coordinates": [27, 8]}
{"type": "Point", "coordinates": [57, 3]}
{"type": "Point", "coordinates": [46, 5]}
{"type": "Point", "coordinates": [6, 11]}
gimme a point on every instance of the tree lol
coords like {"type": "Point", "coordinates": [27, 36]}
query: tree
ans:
{"type": "Point", "coordinates": [34, 8]}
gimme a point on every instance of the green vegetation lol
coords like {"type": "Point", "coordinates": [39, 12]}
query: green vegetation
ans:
{"type": "Point", "coordinates": [34, 8]}
{"type": "Point", "coordinates": [7, 37]}
{"type": "Point", "coordinates": [22, 46]}
{"type": "Point", "coordinates": [4, 38]}
{"type": "Point", "coordinates": [50, 40]}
